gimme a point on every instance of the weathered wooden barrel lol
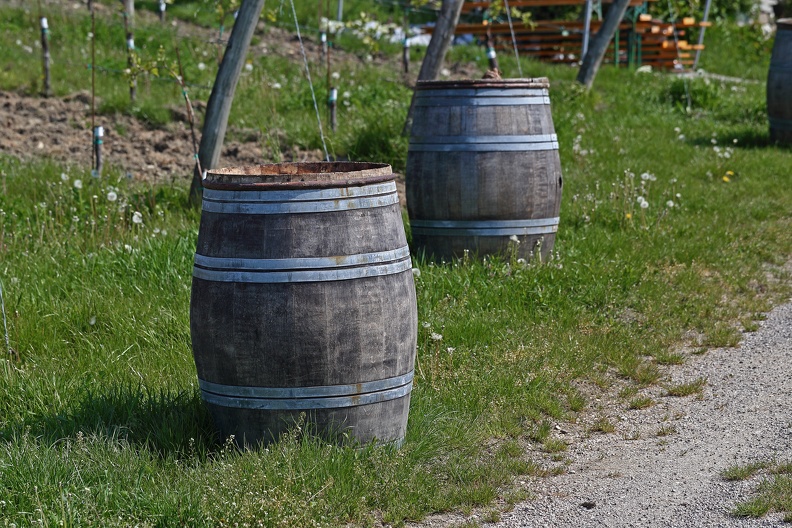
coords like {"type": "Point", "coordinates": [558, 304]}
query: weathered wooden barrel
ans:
{"type": "Point", "coordinates": [483, 168]}
{"type": "Point", "coordinates": [779, 84]}
{"type": "Point", "coordinates": [303, 302]}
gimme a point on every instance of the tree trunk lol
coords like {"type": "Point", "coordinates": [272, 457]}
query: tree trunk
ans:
{"type": "Point", "coordinates": [442, 36]}
{"type": "Point", "coordinates": [599, 44]}
{"type": "Point", "coordinates": [219, 105]}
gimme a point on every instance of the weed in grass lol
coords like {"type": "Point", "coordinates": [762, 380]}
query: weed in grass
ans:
{"type": "Point", "coordinates": [666, 430]}
{"type": "Point", "coordinates": [641, 402]}
{"type": "Point", "coordinates": [602, 425]}
{"type": "Point", "coordinates": [554, 445]}
{"type": "Point", "coordinates": [491, 516]}
{"type": "Point", "coordinates": [670, 358]}
{"type": "Point", "coordinates": [750, 325]}
{"type": "Point", "coordinates": [576, 402]}
{"type": "Point", "coordinates": [686, 389]}
{"type": "Point", "coordinates": [743, 472]}
{"type": "Point", "coordinates": [628, 392]}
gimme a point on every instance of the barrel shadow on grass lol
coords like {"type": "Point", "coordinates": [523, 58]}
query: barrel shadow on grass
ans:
{"type": "Point", "coordinates": [748, 138]}
{"type": "Point", "coordinates": [165, 422]}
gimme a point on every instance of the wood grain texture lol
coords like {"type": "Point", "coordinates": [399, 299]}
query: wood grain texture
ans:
{"type": "Point", "coordinates": [779, 85]}
{"type": "Point", "coordinates": [496, 185]}
{"type": "Point", "coordinates": [304, 334]}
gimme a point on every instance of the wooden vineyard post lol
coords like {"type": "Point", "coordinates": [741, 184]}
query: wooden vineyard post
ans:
{"type": "Point", "coordinates": [45, 52]}
{"type": "Point", "coordinates": [219, 105]}
{"type": "Point", "coordinates": [441, 39]}
{"type": "Point", "coordinates": [599, 44]}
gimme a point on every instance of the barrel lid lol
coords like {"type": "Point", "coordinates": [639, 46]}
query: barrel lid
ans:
{"type": "Point", "coordinates": [784, 23]}
{"type": "Point", "coordinates": [539, 82]}
{"type": "Point", "coordinates": [305, 175]}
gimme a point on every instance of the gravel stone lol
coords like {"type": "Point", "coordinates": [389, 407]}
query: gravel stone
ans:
{"type": "Point", "coordinates": [743, 415]}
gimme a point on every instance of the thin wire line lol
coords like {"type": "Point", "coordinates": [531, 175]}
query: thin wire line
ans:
{"type": "Point", "coordinates": [514, 39]}
{"type": "Point", "coordinates": [5, 324]}
{"type": "Point", "coordinates": [310, 83]}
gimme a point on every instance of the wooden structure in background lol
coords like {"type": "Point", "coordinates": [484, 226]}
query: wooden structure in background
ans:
{"type": "Point", "coordinates": [640, 39]}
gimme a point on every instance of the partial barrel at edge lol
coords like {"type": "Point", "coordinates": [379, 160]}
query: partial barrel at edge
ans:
{"type": "Point", "coordinates": [779, 85]}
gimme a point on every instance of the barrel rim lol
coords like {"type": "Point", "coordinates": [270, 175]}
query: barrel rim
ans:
{"type": "Point", "coordinates": [539, 82]}
{"type": "Point", "coordinates": [297, 175]}
{"type": "Point", "coordinates": [785, 23]}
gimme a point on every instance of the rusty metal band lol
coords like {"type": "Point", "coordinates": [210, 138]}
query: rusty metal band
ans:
{"type": "Point", "coordinates": [780, 124]}
{"type": "Point", "coordinates": [299, 201]}
{"type": "Point", "coordinates": [483, 143]}
{"type": "Point", "coordinates": [361, 259]}
{"type": "Point", "coordinates": [540, 226]}
{"type": "Point", "coordinates": [317, 275]}
{"type": "Point", "coordinates": [304, 398]}
{"type": "Point", "coordinates": [423, 100]}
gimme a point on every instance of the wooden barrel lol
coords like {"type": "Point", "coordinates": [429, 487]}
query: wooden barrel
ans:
{"type": "Point", "coordinates": [303, 302]}
{"type": "Point", "coordinates": [779, 84]}
{"type": "Point", "coordinates": [483, 168]}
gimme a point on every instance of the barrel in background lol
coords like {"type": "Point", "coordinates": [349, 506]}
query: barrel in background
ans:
{"type": "Point", "coordinates": [483, 169]}
{"type": "Point", "coordinates": [779, 84]}
{"type": "Point", "coordinates": [303, 302]}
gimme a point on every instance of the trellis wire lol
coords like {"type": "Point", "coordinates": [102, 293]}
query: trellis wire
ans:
{"type": "Point", "coordinates": [310, 82]}
{"type": "Point", "coordinates": [514, 38]}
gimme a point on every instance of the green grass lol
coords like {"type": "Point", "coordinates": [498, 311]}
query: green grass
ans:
{"type": "Point", "coordinates": [102, 420]}
{"type": "Point", "coordinates": [774, 493]}
{"type": "Point", "coordinates": [686, 389]}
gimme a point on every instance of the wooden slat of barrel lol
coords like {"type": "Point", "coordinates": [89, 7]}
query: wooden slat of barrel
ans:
{"type": "Point", "coordinates": [303, 302]}
{"type": "Point", "coordinates": [779, 84]}
{"type": "Point", "coordinates": [483, 166]}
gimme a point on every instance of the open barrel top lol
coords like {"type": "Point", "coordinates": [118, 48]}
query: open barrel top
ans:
{"type": "Point", "coordinates": [309, 175]}
{"type": "Point", "coordinates": [539, 82]}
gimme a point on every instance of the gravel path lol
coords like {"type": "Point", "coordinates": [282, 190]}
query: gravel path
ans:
{"type": "Point", "coordinates": [743, 415]}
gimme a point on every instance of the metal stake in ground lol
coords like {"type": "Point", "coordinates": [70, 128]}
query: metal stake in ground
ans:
{"type": "Point", "coordinates": [130, 42]}
{"type": "Point", "coordinates": [98, 135]}
{"type": "Point", "coordinates": [492, 57]}
{"type": "Point", "coordinates": [45, 53]}
{"type": "Point", "coordinates": [162, 5]}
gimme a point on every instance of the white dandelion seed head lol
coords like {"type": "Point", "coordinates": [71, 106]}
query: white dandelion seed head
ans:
{"type": "Point", "coordinates": [275, 86]}
{"type": "Point", "coordinates": [137, 217]}
{"type": "Point", "coordinates": [335, 75]}
{"type": "Point", "coordinates": [670, 204]}
{"type": "Point", "coordinates": [426, 324]}
{"type": "Point", "coordinates": [64, 177]}
{"type": "Point", "coordinates": [201, 66]}
{"type": "Point", "coordinates": [78, 184]}
{"type": "Point", "coordinates": [644, 205]}
{"type": "Point", "coordinates": [416, 272]}
{"type": "Point", "coordinates": [514, 239]}
{"type": "Point", "coordinates": [248, 67]}
{"type": "Point", "coordinates": [92, 320]}
{"type": "Point", "coordinates": [112, 196]}
{"type": "Point", "coordinates": [436, 337]}
{"type": "Point", "coordinates": [127, 248]}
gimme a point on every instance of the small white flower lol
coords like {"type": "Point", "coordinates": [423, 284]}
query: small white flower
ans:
{"type": "Point", "coordinates": [275, 86]}
{"type": "Point", "coordinates": [64, 177]}
{"type": "Point", "coordinates": [248, 67]}
{"type": "Point", "coordinates": [201, 66]}
{"type": "Point", "coordinates": [346, 95]}
{"type": "Point", "coordinates": [112, 197]}
{"type": "Point", "coordinates": [127, 248]}
{"type": "Point", "coordinates": [78, 184]}
{"type": "Point", "coordinates": [734, 141]}
{"type": "Point", "coordinates": [416, 272]}
{"type": "Point", "coordinates": [714, 141]}
{"type": "Point", "coordinates": [677, 130]}
{"type": "Point", "coordinates": [436, 337]}
{"type": "Point", "coordinates": [681, 137]}
{"type": "Point", "coordinates": [445, 72]}
{"type": "Point", "coordinates": [426, 324]}
{"type": "Point", "coordinates": [335, 75]}
{"type": "Point", "coordinates": [514, 239]}
{"type": "Point", "coordinates": [521, 261]}
{"type": "Point", "coordinates": [75, 219]}
{"type": "Point", "coordinates": [670, 204]}
{"type": "Point", "coordinates": [92, 320]}
{"type": "Point", "coordinates": [137, 218]}
{"type": "Point", "coordinates": [640, 199]}
{"type": "Point", "coordinates": [450, 350]}
{"type": "Point", "coordinates": [156, 230]}
{"type": "Point", "coordinates": [644, 205]}
{"type": "Point", "coordinates": [678, 196]}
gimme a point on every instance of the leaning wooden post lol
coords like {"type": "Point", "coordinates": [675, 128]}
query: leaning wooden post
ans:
{"type": "Point", "coordinates": [442, 36]}
{"type": "Point", "coordinates": [599, 44]}
{"type": "Point", "coordinates": [219, 105]}
{"type": "Point", "coordinates": [45, 55]}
